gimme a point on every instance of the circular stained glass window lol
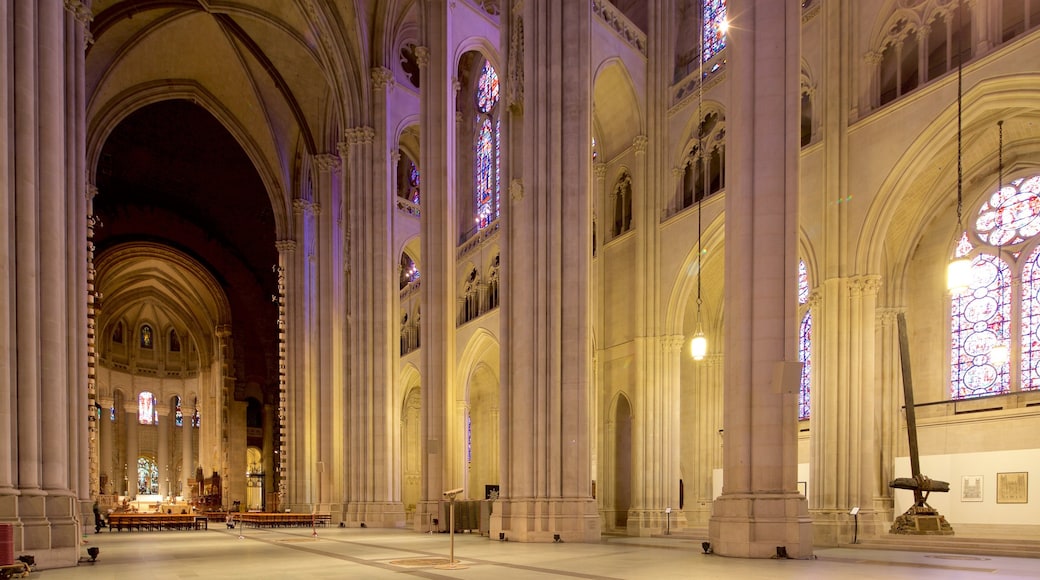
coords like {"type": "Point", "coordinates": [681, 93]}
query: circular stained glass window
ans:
{"type": "Point", "coordinates": [1011, 215]}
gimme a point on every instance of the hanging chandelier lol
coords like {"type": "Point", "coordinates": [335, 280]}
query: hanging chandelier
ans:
{"type": "Point", "coordinates": [958, 273]}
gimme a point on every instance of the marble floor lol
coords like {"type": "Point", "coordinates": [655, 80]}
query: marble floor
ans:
{"type": "Point", "coordinates": [380, 553]}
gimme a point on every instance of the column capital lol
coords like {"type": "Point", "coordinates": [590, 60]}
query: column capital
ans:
{"type": "Point", "coordinates": [599, 169]}
{"type": "Point", "coordinates": [91, 191]}
{"type": "Point", "coordinates": [326, 162]}
{"type": "Point", "coordinates": [868, 284]}
{"type": "Point", "coordinates": [360, 136]}
{"type": "Point", "coordinates": [131, 407]}
{"type": "Point", "coordinates": [222, 331]}
{"type": "Point", "coordinates": [306, 206]}
{"type": "Point", "coordinates": [873, 57]}
{"type": "Point", "coordinates": [343, 148]}
{"type": "Point", "coordinates": [639, 144]}
{"type": "Point", "coordinates": [887, 316]}
{"type": "Point", "coordinates": [382, 78]}
{"type": "Point", "coordinates": [422, 56]}
{"type": "Point", "coordinates": [285, 246]}
{"type": "Point", "coordinates": [672, 343]}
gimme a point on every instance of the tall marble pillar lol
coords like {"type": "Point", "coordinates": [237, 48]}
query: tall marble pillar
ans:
{"type": "Point", "coordinates": [374, 490]}
{"type": "Point", "coordinates": [760, 508]}
{"type": "Point", "coordinates": [163, 456]}
{"type": "Point", "coordinates": [547, 393]}
{"type": "Point", "coordinates": [303, 317]}
{"type": "Point", "coordinates": [437, 224]}
{"type": "Point", "coordinates": [106, 469]}
{"type": "Point", "coordinates": [130, 468]}
{"type": "Point", "coordinates": [43, 477]}
{"type": "Point", "coordinates": [187, 455]}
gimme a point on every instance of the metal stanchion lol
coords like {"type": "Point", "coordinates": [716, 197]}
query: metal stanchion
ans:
{"type": "Point", "coordinates": [452, 563]}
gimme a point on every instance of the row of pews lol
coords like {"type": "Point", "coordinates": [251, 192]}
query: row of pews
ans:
{"type": "Point", "coordinates": [156, 522]}
{"type": "Point", "coordinates": [282, 520]}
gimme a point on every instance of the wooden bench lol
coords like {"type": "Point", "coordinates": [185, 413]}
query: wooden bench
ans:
{"type": "Point", "coordinates": [157, 522]}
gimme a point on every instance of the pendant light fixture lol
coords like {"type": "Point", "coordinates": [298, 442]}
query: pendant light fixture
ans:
{"type": "Point", "coordinates": [998, 355]}
{"type": "Point", "coordinates": [958, 273]}
{"type": "Point", "coordinates": [699, 344]}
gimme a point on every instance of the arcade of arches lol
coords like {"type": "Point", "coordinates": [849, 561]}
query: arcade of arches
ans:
{"type": "Point", "coordinates": [344, 256]}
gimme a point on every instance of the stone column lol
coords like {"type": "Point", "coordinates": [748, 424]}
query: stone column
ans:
{"type": "Point", "coordinates": [326, 350]}
{"type": "Point", "coordinates": [760, 507]}
{"type": "Point", "coordinates": [130, 468]}
{"type": "Point", "coordinates": [166, 422]}
{"type": "Point", "coordinates": [438, 225]}
{"type": "Point", "coordinates": [288, 386]}
{"type": "Point", "coordinates": [187, 454]}
{"type": "Point", "coordinates": [303, 319]}
{"type": "Point", "coordinates": [547, 394]}
{"type": "Point", "coordinates": [105, 443]}
{"type": "Point", "coordinates": [375, 488]}
{"type": "Point", "coordinates": [8, 341]}
{"type": "Point", "coordinates": [890, 407]}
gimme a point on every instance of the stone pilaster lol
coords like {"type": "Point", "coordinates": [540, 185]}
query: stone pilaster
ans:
{"type": "Point", "coordinates": [760, 507]}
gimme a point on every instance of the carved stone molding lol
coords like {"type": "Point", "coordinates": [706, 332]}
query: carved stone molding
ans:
{"type": "Point", "coordinates": [343, 148]}
{"type": "Point", "coordinates": [80, 11]}
{"type": "Point", "coordinates": [886, 317]}
{"type": "Point", "coordinates": [285, 246]}
{"type": "Point", "coordinates": [873, 57]}
{"type": "Point", "coordinates": [91, 191]}
{"type": "Point", "coordinates": [515, 86]}
{"type": "Point", "coordinates": [516, 190]}
{"type": "Point", "coordinates": [672, 344]}
{"type": "Point", "coordinates": [222, 331]}
{"type": "Point", "coordinates": [422, 56]}
{"type": "Point", "coordinates": [599, 169]}
{"type": "Point", "coordinates": [382, 78]}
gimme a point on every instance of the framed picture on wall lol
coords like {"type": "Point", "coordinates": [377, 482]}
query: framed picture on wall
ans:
{"type": "Point", "coordinates": [1013, 487]}
{"type": "Point", "coordinates": [971, 488]}
{"type": "Point", "coordinates": [802, 489]}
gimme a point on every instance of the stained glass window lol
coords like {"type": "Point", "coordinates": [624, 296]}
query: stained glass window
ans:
{"type": "Point", "coordinates": [487, 148]}
{"type": "Point", "coordinates": [147, 414]}
{"type": "Point", "coordinates": [804, 357]}
{"type": "Point", "coordinates": [147, 476]}
{"type": "Point", "coordinates": [715, 24]}
{"type": "Point", "coordinates": [196, 417]}
{"type": "Point", "coordinates": [1031, 322]}
{"type": "Point", "coordinates": [980, 320]}
{"type": "Point", "coordinates": [469, 438]}
{"type": "Point", "coordinates": [413, 182]}
{"type": "Point", "coordinates": [1011, 215]}
{"type": "Point", "coordinates": [146, 336]}
{"type": "Point", "coordinates": [112, 413]}
{"type": "Point", "coordinates": [175, 341]}
{"type": "Point", "coordinates": [178, 414]}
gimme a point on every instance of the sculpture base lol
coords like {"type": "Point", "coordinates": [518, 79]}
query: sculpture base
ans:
{"type": "Point", "coordinates": [922, 521]}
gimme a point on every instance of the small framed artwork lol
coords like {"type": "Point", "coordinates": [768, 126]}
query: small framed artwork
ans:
{"type": "Point", "coordinates": [802, 489]}
{"type": "Point", "coordinates": [971, 488]}
{"type": "Point", "coordinates": [1013, 487]}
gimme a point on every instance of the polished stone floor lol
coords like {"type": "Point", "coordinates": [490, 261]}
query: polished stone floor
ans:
{"type": "Point", "coordinates": [379, 553]}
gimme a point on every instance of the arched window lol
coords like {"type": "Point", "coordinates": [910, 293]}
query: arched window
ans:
{"type": "Point", "coordinates": [147, 414]}
{"type": "Point", "coordinates": [622, 202]}
{"type": "Point", "coordinates": [196, 417]}
{"type": "Point", "coordinates": [409, 271]}
{"type": "Point", "coordinates": [1001, 246]}
{"type": "Point", "coordinates": [117, 333]}
{"type": "Point", "coordinates": [175, 341]}
{"type": "Point", "coordinates": [703, 167]}
{"type": "Point", "coordinates": [714, 31]}
{"type": "Point", "coordinates": [146, 336]}
{"type": "Point", "coordinates": [408, 179]}
{"type": "Point", "coordinates": [178, 414]}
{"type": "Point", "coordinates": [487, 148]}
{"type": "Point", "coordinates": [804, 342]}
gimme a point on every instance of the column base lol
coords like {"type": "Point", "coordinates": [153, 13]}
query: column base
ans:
{"type": "Point", "coordinates": [545, 520]}
{"type": "Point", "coordinates": [45, 526]}
{"type": "Point", "coordinates": [759, 525]}
{"type": "Point", "coordinates": [374, 515]}
{"type": "Point", "coordinates": [646, 523]}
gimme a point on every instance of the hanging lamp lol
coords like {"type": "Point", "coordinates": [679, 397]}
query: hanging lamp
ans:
{"type": "Point", "coordinates": [998, 355]}
{"type": "Point", "coordinates": [958, 273]}
{"type": "Point", "coordinates": [699, 344]}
